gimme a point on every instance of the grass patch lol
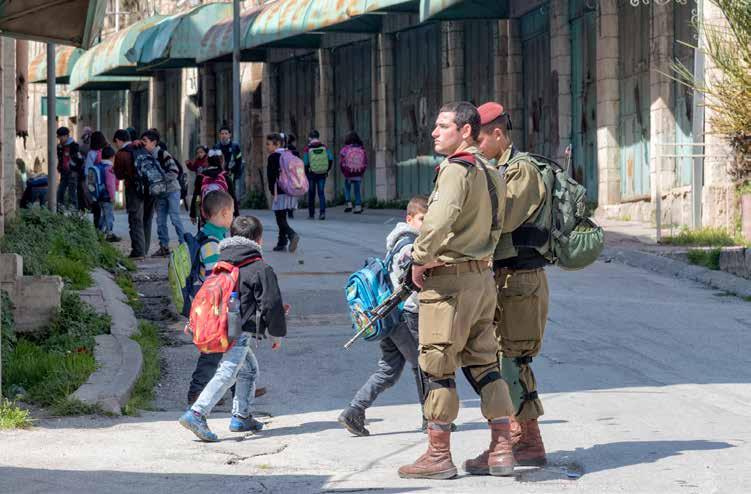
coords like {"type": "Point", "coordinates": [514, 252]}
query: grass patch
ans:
{"type": "Point", "coordinates": [704, 237]}
{"type": "Point", "coordinates": [707, 258]}
{"type": "Point", "coordinates": [71, 406]}
{"type": "Point", "coordinates": [143, 392]}
{"type": "Point", "coordinates": [125, 282]}
{"type": "Point", "coordinates": [12, 417]}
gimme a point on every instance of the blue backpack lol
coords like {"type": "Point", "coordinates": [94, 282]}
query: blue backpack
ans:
{"type": "Point", "coordinates": [96, 187]}
{"type": "Point", "coordinates": [370, 286]}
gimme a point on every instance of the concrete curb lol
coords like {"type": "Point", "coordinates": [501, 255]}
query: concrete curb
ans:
{"type": "Point", "coordinates": [119, 359]}
{"type": "Point", "coordinates": [671, 267]}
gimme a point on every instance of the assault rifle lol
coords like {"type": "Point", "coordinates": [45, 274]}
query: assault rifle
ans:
{"type": "Point", "coordinates": [366, 319]}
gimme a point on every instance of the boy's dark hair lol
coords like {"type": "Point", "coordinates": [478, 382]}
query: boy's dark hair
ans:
{"type": "Point", "coordinates": [151, 135]}
{"type": "Point", "coordinates": [465, 113]}
{"type": "Point", "coordinates": [132, 133]}
{"type": "Point", "coordinates": [63, 131]}
{"type": "Point", "coordinates": [417, 205]}
{"type": "Point", "coordinates": [98, 141]}
{"type": "Point", "coordinates": [247, 226]}
{"type": "Point", "coordinates": [215, 201]}
{"type": "Point", "coordinates": [314, 134]}
{"type": "Point", "coordinates": [108, 153]}
{"type": "Point", "coordinates": [352, 139]}
{"type": "Point", "coordinates": [224, 127]}
{"type": "Point", "coordinates": [121, 135]}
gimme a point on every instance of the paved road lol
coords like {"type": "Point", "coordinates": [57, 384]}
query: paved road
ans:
{"type": "Point", "coordinates": [645, 381]}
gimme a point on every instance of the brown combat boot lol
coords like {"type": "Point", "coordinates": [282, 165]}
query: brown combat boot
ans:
{"type": "Point", "coordinates": [516, 431]}
{"type": "Point", "coordinates": [436, 462]}
{"type": "Point", "coordinates": [529, 450]}
{"type": "Point", "coordinates": [498, 459]}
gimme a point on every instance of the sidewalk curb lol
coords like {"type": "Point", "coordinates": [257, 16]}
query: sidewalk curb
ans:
{"type": "Point", "coordinates": [118, 357]}
{"type": "Point", "coordinates": [671, 267]}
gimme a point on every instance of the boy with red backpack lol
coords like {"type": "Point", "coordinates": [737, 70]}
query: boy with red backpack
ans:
{"type": "Point", "coordinates": [210, 176]}
{"type": "Point", "coordinates": [240, 275]}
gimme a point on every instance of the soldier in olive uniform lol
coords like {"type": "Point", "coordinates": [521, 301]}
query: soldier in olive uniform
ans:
{"type": "Point", "coordinates": [451, 260]}
{"type": "Point", "coordinates": [518, 264]}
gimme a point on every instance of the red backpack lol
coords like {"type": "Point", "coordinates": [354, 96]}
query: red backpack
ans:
{"type": "Point", "coordinates": [208, 312]}
{"type": "Point", "coordinates": [210, 184]}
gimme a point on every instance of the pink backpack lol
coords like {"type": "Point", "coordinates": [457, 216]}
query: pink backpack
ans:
{"type": "Point", "coordinates": [209, 184]}
{"type": "Point", "coordinates": [355, 161]}
{"type": "Point", "coordinates": [292, 180]}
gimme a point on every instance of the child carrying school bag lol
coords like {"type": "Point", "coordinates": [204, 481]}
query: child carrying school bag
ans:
{"type": "Point", "coordinates": [292, 179]}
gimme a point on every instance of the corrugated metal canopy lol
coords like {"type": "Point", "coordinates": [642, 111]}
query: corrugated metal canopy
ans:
{"type": "Point", "coordinates": [299, 23]}
{"type": "Point", "coordinates": [67, 22]}
{"type": "Point", "coordinates": [173, 43]}
{"type": "Point", "coordinates": [113, 83]}
{"type": "Point", "coordinates": [216, 44]}
{"type": "Point", "coordinates": [446, 10]}
{"type": "Point", "coordinates": [108, 57]}
{"type": "Point", "coordinates": [65, 58]}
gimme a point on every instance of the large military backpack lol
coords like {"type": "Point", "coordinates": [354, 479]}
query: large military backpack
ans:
{"type": "Point", "coordinates": [575, 241]}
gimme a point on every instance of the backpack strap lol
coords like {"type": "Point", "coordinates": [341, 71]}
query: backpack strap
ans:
{"type": "Point", "coordinates": [404, 240]}
{"type": "Point", "coordinates": [468, 160]}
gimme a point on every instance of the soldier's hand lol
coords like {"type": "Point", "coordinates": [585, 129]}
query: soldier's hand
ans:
{"type": "Point", "coordinates": [418, 275]}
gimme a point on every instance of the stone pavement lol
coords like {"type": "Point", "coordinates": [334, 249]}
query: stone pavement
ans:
{"type": "Point", "coordinates": [645, 381]}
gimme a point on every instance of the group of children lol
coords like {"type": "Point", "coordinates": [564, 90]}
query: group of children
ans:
{"type": "Point", "coordinates": [239, 243]}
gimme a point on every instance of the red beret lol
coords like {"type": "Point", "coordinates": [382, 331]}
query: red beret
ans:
{"type": "Point", "coordinates": [489, 112]}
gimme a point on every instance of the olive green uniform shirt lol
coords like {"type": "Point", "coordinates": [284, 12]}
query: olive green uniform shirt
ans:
{"type": "Point", "coordinates": [525, 191]}
{"type": "Point", "coordinates": [457, 226]}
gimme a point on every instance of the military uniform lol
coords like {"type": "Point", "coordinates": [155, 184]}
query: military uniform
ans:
{"type": "Point", "coordinates": [457, 302]}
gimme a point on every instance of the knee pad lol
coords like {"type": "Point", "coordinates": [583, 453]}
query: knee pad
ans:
{"type": "Point", "coordinates": [520, 380]}
{"type": "Point", "coordinates": [441, 400]}
{"type": "Point", "coordinates": [487, 382]}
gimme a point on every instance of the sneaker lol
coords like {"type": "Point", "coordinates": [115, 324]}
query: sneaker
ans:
{"type": "Point", "coordinates": [353, 419]}
{"type": "Point", "coordinates": [322, 216]}
{"type": "Point", "coordinates": [279, 248]}
{"type": "Point", "coordinates": [196, 424]}
{"type": "Point", "coordinates": [291, 214]}
{"type": "Point", "coordinates": [348, 209]}
{"type": "Point", "coordinates": [293, 242]}
{"type": "Point", "coordinates": [111, 237]}
{"type": "Point", "coordinates": [240, 424]}
{"type": "Point", "coordinates": [311, 217]}
{"type": "Point", "coordinates": [358, 210]}
{"type": "Point", "coordinates": [162, 252]}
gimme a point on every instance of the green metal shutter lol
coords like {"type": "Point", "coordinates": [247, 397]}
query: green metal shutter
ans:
{"type": "Point", "coordinates": [479, 62]}
{"type": "Point", "coordinates": [685, 33]}
{"type": "Point", "coordinates": [537, 84]}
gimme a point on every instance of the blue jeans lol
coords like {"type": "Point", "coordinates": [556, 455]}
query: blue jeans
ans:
{"type": "Point", "coordinates": [68, 187]}
{"type": "Point", "coordinates": [240, 366]}
{"type": "Point", "coordinates": [107, 217]}
{"type": "Point", "coordinates": [356, 185]}
{"type": "Point", "coordinates": [168, 205]}
{"type": "Point", "coordinates": [317, 184]}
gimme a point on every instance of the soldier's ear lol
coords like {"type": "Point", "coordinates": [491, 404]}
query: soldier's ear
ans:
{"type": "Point", "coordinates": [466, 131]}
{"type": "Point", "coordinates": [497, 133]}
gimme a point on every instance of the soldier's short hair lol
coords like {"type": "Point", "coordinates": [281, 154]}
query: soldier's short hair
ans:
{"type": "Point", "coordinates": [215, 201]}
{"type": "Point", "coordinates": [417, 205]}
{"type": "Point", "coordinates": [465, 113]}
{"type": "Point", "coordinates": [503, 123]}
{"type": "Point", "coordinates": [249, 227]}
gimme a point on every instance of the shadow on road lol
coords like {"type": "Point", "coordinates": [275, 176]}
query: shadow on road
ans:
{"type": "Point", "coordinates": [42, 481]}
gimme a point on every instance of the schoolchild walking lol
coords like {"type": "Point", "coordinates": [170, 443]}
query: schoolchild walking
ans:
{"type": "Point", "coordinates": [260, 310]}
{"type": "Point", "coordinates": [353, 161]}
{"type": "Point", "coordinates": [401, 346]}
{"type": "Point", "coordinates": [281, 201]}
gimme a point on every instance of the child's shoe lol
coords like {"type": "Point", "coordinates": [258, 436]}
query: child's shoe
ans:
{"type": "Point", "coordinates": [196, 424]}
{"type": "Point", "coordinates": [353, 419]}
{"type": "Point", "coordinates": [348, 209]}
{"type": "Point", "coordinates": [240, 424]}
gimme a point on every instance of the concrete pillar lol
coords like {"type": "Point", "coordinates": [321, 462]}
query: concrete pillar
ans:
{"type": "Point", "coordinates": [452, 61]}
{"type": "Point", "coordinates": [8, 129]}
{"type": "Point", "coordinates": [661, 120]}
{"type": "Point", "coordinates": [324, 107]}
{"type": "Point", "coordinates": [269, 111]}
{"type": "Point", "coordinates": [560, 68]}
{"type": "Point", "coordinates": [719, 203]}
{"type": "Point", "coordinates": [383, 116]}
{"type": "Point", "coordinates": [3, 144]}
{"type": "Point", "coordinates": [208, 104]}
{"type": "Point", "coordinates": [157, 101]}
{"type": "Point", "coordinates": [514, 102]}
{"type": "Point", "coordinates": [608, 108]}
{"type": "Point", "coordinates": [500, 76]}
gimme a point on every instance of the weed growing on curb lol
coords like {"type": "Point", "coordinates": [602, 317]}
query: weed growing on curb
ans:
{"type": "Point", "coordinates": [707, 258]}
{"type": "Point", "coordinates": [143, 392]}
{"type": "Point", "coordinates": [70, 407]}
{"type": "Point", "coordinates": [125, 282]}
{"type": "Point", "coordinates": [705, 237]}
{"type": "Point", "coordinates": [13, 417]}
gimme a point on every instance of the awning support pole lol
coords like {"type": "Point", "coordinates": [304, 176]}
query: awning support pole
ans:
{"type": "Point", "coordinates": [236, 71]}
{"type": "Point", "coordinates": [51, 130]}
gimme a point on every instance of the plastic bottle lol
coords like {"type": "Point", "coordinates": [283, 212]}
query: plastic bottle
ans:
{"type": "Point", "coordinates": [234, 319]}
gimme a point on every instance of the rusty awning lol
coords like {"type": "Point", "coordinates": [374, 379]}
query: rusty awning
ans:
{"type": "Point", "coordinates": [67, 22]}
{"type": "Point", "coordinates": [300, 23]}
{"type": "Point", "coordinates": [108, 57]}
{"type": "Point", "coordinates": [173, 42]}
{"type": "Point", "coordinates": [216, 44]}
{"type": "Point", "coordinates": [446, 10]}
{"type": "Point", "coordinates": [65, 58]}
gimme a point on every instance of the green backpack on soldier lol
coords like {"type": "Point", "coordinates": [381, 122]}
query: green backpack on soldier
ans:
{"type": "Point", "coordinates": [318, 159]}
{"type": "Point", "coordinates": [560, 230]}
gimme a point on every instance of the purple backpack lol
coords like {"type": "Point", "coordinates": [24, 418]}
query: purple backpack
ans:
{"type": "Point", "coordinates": [292, 179]}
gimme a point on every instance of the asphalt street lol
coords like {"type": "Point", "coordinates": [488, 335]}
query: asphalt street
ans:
{"type": "Point", "coordinates": [645, 381]}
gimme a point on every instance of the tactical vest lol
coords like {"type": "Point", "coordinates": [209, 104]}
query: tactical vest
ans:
{"type": "Point", "coordinates": [534, 234]}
